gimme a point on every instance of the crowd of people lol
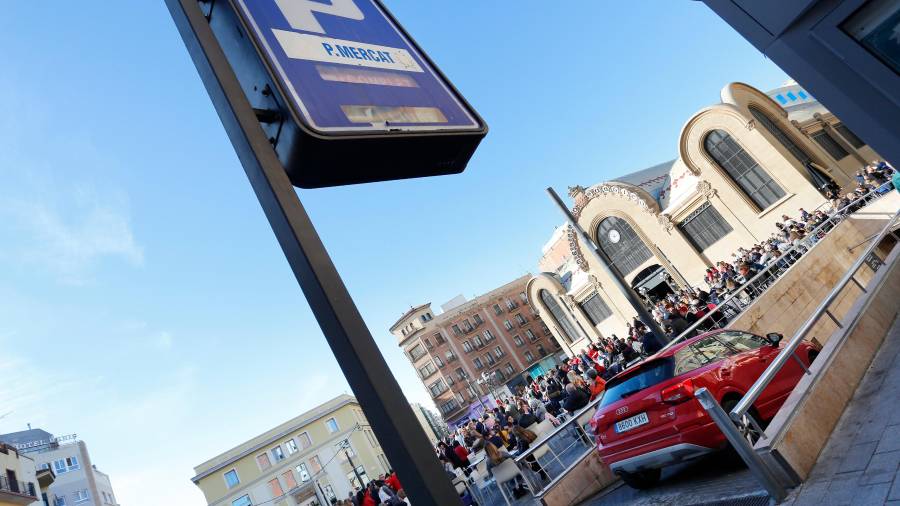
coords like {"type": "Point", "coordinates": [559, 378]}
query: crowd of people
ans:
{"type": "Point", "coordinates": [792, 237]}
{"type": "Point", "coordinates": [506, 430]}
{"type": "Point", "coordinates": [382, 491]}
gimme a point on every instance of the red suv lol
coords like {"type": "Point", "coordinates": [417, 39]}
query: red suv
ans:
{"type": "Point", "coordinates": [649, 417]}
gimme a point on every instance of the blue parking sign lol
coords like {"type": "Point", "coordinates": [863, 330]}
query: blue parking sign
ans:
{"type": "Point", "coordinates": [347, 67]}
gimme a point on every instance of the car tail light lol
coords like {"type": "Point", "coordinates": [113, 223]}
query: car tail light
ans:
{"type": "Point", "coordinates": [678, 393]}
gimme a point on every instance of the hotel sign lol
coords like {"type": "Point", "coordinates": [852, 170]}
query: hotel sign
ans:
{"type": "Point", "coordinates": [39, 444]}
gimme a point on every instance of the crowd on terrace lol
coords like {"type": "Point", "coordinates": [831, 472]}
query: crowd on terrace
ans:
{"type": "Point", "coordinates": [793, 236]}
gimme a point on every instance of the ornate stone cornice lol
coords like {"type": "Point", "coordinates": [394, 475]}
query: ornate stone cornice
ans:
{"type": "Point", "coordinates": [614, 189]}
{"type": "Point", "coordinates": [575, 249]}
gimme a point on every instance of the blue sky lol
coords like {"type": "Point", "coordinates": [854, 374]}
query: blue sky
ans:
{"type": "Point", "coordinates": [144, 303]}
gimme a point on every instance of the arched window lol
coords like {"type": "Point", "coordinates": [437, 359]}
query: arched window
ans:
{"type": "Point", "coordinates": [781, 135]}
{"type": "Point", "coordinates": [621, 243]}
{"type": "Point", "coordinates": [743, 169]}
{"type": "Point", "coordinates": [565, 326]}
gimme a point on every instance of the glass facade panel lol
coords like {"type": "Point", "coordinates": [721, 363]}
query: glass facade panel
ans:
{"type": "Point", "coordinates": [743, 169]}
{"type": "Point", "coordinates": [704, 226]}
{"type": "Point", "coordinates": [596, 309]}
{"type": "Point", "coordinates": [565, 326]}
{"type": "Point", "coordinates": [621, 243]}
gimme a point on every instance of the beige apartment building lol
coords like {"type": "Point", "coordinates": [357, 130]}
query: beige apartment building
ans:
{"type": "Point", "coordinates": [21, 482]}
{"type": "Point", "coordinates": [741, 165]}
{"type": "Point", "coordinates": [308, 460]}
{"type": "Point", "coordinates": [76, 479]}
{"type": "Point", "coordinates": [495, 335]}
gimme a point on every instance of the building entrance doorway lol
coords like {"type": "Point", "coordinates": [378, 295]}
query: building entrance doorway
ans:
{"type": "Point", "coordinates": [653, 283]}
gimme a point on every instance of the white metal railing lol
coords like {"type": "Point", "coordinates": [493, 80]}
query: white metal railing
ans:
{"type": "Point", "coordinates": [567, 445]}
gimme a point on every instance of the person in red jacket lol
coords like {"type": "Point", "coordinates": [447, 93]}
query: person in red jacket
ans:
{"type": "Point", "coordinates": [394, 482]}
{"type": "Point", "coordinates": [461, 452]}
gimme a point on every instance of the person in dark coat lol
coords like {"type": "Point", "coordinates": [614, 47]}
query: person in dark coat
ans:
{"type": "Point", "coordinates": [575, 399]}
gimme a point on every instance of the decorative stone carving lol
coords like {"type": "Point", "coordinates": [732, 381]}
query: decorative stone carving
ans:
{"type": "Point", "coordinates": [623, 190]}
{"type": "Point", "coordinates": [575, 248]}
{"type": "Point", "coordinates": [575, 190]}
{"type": "Point", "coordinates": [751, 124]}
{"type": "Point", "coordinates": [706, 189]}
{"type": "Point", "coordinates": [665, 221]}
{"type": "Point", "coordinates": [595, 283]}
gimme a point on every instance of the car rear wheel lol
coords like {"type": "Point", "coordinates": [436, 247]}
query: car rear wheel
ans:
{"type": "Point", "coordinates": [641, 479]}
{"type": "Point", "coordinates": [750, 422]}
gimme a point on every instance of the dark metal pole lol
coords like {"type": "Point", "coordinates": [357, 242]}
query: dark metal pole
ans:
{"type": "Point", "coordinates": [364, 367]}
{"type": "Point", "coordinates": [362, 485]}
{"type": "Point", "coordinates": [610, 270]}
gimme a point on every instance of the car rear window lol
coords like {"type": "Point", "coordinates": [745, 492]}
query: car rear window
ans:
{"type": "Point", "coordinates": [649, 374]}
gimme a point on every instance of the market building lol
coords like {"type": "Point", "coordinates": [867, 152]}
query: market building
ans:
{"type": "Point", "coordinates": [476, 350]}
{"type": "Point", "coordinates": [742, 164]}
{"type": "Point", "coordinates": [76, 478]}
{"type": "Point", "coordinates": [323, 454]}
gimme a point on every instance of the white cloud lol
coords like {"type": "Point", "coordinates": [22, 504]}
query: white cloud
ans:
{"type": "Point", "coordinates": [164, 340]}
{"type": "Point", "coordinates": [70, 243]}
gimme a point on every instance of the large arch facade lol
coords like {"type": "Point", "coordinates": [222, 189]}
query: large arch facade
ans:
{"type": "Point", "coordinates": [750, 220]}
{"type": "Point", "coordinates": [744, 97]}
{"type": "Point", "coordinates": [661, 224]}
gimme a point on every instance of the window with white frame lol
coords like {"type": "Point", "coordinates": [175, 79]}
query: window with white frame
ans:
{"type": "Point", "coordinates": [520, 319]}
{"type": "Point", "coordinates": [510, 304]}
{"type": "Point", "coordinates": [488, 336]}
{"type": "Point", "coordinates": [60, 500]}
{"type": "Point", "coordinates": [59, 466]}
{"type": "Point", "coordinates": [467, 346]}
{"type": "Point", "coordinates": [303, 472]}
{"type": "Point", "coordinates": [332, 425]}
{"type": "Point", "coordinates": [518, 340]}
{"type": "Point", "coordinates": [291, 446]}
{"type": "Point", "coordinates": [354, 482]}
{"type": "Point", "coordinates": [478, 364]}
{"type": "Point", "coordinates": [498, 309]}
{"type": "Point", "coordinates": [438, 361]}
{"type": "Point", "coordinates": [490, 359]}
{"type": "Point", "coordinates": [529, 357]}
{"type": "Point", "coordinates": [702, 228]}
{"type": "Point", "coordinates": [523, 297]}
{"type": "Point", "coordinates": [329, 491]}
{"type": "Point", "coordinates": [477, 319]}
{"type": "Point", "coordinates": [231, 479]}
{"type": "Point", "coordinates": [509, 369]}
{"type": "Point", "coordinates": [263, 461]}
{"type": "Point", "coordinates": [530, 335]}
{"type": "Point", "coordinates": [508, 324]}
{"type": "Point", "coordinates": [72, 463]}
{"type": "Point", "coordinates": [439, 338]}
{"type": "Point", "coordinates": [498, 351]}
{"type": "Point", "coordinates": [242, 501]}
{"type": "Point", "coordinates": [277, 454]}
{"type": "Point", "coordinates": [80, 496]}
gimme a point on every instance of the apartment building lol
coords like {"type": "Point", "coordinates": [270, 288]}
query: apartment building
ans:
{"type": "Point", "coordinates": [495, 336]}
{"type": "Point", "coordinates": [21, 483]}
{"type": "Point", "coordinates": [77, 481]}
{"type": "Point", "coordinates": [323, 454]}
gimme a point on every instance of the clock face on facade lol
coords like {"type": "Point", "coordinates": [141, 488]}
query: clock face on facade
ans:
{"type": "Point", "coordinates": [614, 236]}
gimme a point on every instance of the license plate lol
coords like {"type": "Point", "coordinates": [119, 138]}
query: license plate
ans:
{"type": "Point", "coordinates": [630, 423]}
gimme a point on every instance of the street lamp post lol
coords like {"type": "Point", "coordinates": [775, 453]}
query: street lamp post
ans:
{"type": "Point", "coordinates": [345, 445]}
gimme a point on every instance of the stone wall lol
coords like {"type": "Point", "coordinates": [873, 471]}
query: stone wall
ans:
{"type": "Point", "coordinates": [804, 424]}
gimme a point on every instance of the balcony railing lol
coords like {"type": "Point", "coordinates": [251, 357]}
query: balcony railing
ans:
{"type": "Point", "coordinates": [17, 487]}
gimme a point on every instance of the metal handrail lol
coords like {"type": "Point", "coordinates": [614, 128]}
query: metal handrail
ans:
{"type": "Point", "coordinates": [836, 216]}
{"type": "Point", "coordinates": [741, 408]}
{"type": "Point", "coordinates": [562, 426]}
